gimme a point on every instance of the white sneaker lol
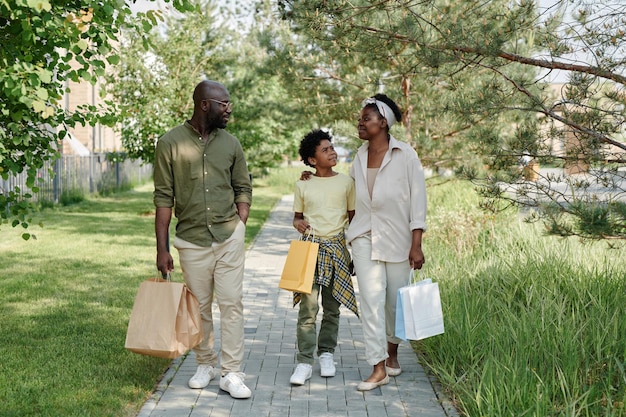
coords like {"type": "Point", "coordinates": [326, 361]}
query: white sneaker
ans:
{"type": "Point", "coordinates": [204, 374]}
{"type": "Point", "coordinates": [233, 383]}
{"type": "Point", "coordinates": [301, 374]}
{"type": "Point", "coordinates": [327, 364]}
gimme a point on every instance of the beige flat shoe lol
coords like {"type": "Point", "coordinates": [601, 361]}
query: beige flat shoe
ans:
{"type": "Point", "coordinates": [393, 371]}
{"type": "Point", "coordinates": [368, 386]}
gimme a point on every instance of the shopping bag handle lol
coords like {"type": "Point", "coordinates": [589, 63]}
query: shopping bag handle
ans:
{"type": "Point", "coordinates": [167, 276]}
{"type": "Point", "coordinates": [412, 279]}
{"type": "Point", "coordinates": [308, 232]}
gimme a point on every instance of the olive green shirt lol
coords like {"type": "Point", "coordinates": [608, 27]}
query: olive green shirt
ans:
{"type": "Point", "coordinates": [203, 182]}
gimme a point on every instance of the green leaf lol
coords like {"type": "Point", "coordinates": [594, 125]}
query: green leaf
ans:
{"type": "Point", "coordinates": [39, 5]}
{"type": "Point", "coordinates": [113, 59]}
{"type": "Point", "coordinates": [45, 76]}
{"type": "Point", "coordinates": [42, 93]}
{"type": "Point", "coordinates": [82, 44]}
{"type": "Point", "coordinates": [147, 26]}
{"type": "Point", "coordinates": [39, 106]}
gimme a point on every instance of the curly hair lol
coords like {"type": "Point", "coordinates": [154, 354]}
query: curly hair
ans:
{"type": "Point", "coordinates": [310, 142]}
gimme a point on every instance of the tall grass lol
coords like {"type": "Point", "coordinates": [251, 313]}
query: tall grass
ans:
{"type": "Point", "coordinates": [535, 325]}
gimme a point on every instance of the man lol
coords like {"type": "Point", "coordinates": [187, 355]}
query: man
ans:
{"type": "Point", "coordinates": [201, 172]}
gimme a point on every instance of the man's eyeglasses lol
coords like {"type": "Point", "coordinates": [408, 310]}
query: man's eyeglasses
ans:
{"type": "Point", "coordinates": [227, 104]}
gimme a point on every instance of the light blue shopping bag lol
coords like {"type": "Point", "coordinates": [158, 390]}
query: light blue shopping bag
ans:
{"type": "Point", "coordinates": [400, 332]}
{"type": "Point", "coordinates": [418, 311]}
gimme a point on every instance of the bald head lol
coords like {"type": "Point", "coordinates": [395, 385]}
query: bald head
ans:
{"type": "Point", "coordinates": [211, 106]}
{"type": "Point", "coordinates": [207, 89]}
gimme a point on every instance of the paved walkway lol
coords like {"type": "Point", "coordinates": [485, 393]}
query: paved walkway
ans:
{"type": "Point", "coordinates": [270, 351]}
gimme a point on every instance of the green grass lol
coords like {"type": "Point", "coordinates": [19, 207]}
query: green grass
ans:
{"type": "Point", "coordinates": [266, 193]}
{"type": "Point", "coordinates": [65, 302]}
{"type": "Point", "coordinates": [535, 326]}
{"type": "Point", "coordinates": [66, 297]}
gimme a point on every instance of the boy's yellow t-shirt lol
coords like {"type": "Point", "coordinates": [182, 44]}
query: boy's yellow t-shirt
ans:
{"type": "Point", "coordinates": [325, 202]}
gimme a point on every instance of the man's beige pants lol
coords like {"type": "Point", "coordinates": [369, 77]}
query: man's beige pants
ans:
{"type": "Point", "coordinates": [218, 270]}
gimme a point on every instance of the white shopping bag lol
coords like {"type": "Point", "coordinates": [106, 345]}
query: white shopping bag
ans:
{"type": "Point", "coordinates": [418, 311]}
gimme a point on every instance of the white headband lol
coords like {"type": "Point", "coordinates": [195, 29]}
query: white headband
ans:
{"type": "Point", "coordinates": [383, 109]}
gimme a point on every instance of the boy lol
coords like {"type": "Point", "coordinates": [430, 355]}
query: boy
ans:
{"type": "Point", "coordinates": [323, 206]}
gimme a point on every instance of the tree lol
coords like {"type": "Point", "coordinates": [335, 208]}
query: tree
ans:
{"type": "Point", "coordinates": [474, 77]}
{"type": "Point", "coordinates": [334, 68]}
{"type": "Point", "coordinates": [269, 120]}
{"type": "Point", "coordinates": [46, 43]}
{"type": "Point", "coordinates": [154, 81]}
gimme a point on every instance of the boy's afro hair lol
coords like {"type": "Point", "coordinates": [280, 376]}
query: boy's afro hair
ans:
{"type": "Point", "coordinates": [310, 142]}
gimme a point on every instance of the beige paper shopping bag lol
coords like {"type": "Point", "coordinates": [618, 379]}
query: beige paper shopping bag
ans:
{"type": "Point", "coordinates": [165, 320]}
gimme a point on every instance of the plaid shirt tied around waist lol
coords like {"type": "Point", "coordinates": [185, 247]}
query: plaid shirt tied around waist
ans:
{"type": "Point", "coordinates": [333, 267]}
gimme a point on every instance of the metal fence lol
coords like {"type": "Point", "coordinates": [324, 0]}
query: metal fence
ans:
{"type": "Point", "coordinates": [85, 175]}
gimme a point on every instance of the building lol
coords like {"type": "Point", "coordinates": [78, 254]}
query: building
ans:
{"type": "Point", "coordinates": [84, 140]}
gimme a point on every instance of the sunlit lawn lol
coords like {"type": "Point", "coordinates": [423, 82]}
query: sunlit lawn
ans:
{"type": "Point", "coordinates": [66, 298]}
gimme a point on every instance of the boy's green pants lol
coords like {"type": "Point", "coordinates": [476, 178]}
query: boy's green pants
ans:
{"type": "Point", "coordinates": [306, 332]}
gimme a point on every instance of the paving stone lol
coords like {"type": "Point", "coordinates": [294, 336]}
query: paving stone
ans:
{"type": "Point", "coordinates": [270, 357]}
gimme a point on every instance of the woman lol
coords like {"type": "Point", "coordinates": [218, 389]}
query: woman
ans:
{"type": "Point", "coordinates": [386, 231]}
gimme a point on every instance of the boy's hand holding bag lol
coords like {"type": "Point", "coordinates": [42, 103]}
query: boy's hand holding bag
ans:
{"type": "Point", "coordinates": [418, 310]}
{"type": "Point", "coordinates": [165, 321]}
{"type": "Point", "coordinates": [299, 269]}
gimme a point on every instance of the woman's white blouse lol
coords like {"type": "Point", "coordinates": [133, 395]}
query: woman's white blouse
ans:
{"type": "Point", "coordinates": [398, 202]}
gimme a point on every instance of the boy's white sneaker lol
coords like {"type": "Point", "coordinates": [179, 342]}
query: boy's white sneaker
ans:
{"type": "Point", "coordinates": [233, 383]}
{"type": "Point", "coordinates": [204, 374]}
{"type": "Point", "coordinates": [301, 374]}
{"type": "Point", "coordinates": [327, 364]}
